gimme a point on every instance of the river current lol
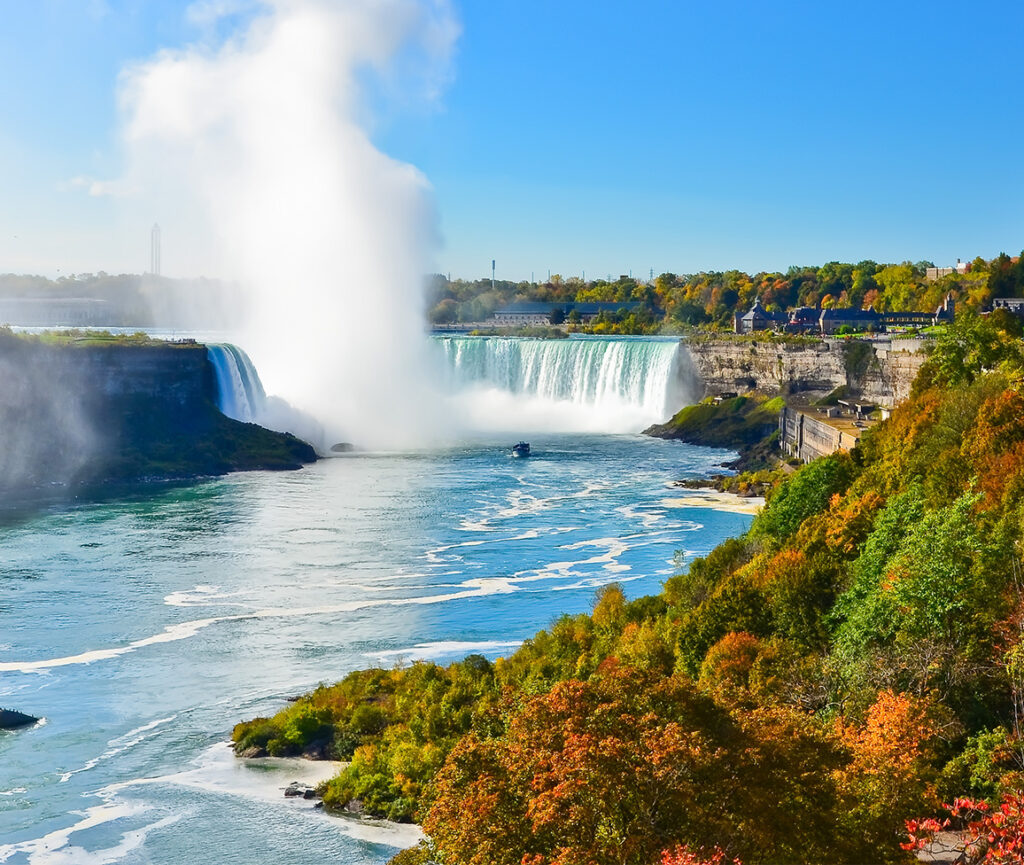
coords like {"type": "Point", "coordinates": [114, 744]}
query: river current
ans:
{"type": "Point", "coordinates": [142, 628]}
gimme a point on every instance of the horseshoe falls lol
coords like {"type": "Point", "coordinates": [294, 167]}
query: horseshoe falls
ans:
{"type": "Point", "coordinates": [581, 384]}
{"type": "Point", "coordinates": [510, 385]}
{"type": "Point", "coordinates": [240, 393]}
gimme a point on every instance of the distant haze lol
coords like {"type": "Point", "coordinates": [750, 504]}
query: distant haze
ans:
{"type": "Point", "coordinates": [255, 148]}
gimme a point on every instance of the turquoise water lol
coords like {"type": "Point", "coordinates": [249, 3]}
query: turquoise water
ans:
{"type": "Point", "coordinates": [143, 628]}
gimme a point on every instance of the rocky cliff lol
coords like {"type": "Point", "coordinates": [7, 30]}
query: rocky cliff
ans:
{"type": "Point", "coordinates": [92, 411]}
{"type": "Point", "coordinates": [880, 372]}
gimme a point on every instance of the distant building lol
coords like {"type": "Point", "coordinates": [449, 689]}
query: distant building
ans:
{"type": "Point", "coordinates": [538, 313]}
{"type": "Point", "coordinates": [933, 273]}
{"type": "Point", "coordinates": [803, 319]}
{"type": "Point", "coordinates": [808, 434]}
{"type": "Point", "coordinates": [758, 318]}
{"type": "Point", "coordinates": [856, 319]}
{"type": "Point", "coordinates": [944, 314]}
{"type": "Point", "coordinates": [1013, 305]}
{"type": "Point", "coordinates": [56, 311]}
{"type": "Point", "coordinates": [810, 319]}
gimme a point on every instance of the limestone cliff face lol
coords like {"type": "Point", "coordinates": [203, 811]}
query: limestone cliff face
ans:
{"type": "Point", "coordinates": [888, 382]}
{"type": "Point", "coordinates": [877, 372]}
{"type": "Point", "coordinates": [178, 375]}
{"type": "Point", "coordinates": [73, 414]}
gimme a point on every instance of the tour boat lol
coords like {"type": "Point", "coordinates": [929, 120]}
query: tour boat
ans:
{"type": "Point", "coordinates": [521, 450]}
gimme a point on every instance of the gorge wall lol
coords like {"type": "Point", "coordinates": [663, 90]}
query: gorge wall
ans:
{"type": "Point", "coordinates": [86, 411]}
{"type": "Point", "coordinates": [879, 372]}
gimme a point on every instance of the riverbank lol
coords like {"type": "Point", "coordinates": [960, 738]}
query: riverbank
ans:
{"type": "Point", "coordinates": [748, 425]}
{"type": "Point", "coordinates": [719, 501]}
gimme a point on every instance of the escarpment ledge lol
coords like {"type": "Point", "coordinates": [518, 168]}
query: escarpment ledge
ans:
{"type": "Point", "coordinates": [878, 371]}
{"type": "Point", "coordinates": [87, 411]}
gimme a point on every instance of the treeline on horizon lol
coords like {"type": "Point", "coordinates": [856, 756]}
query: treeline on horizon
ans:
{"type": "Point", "coordinates": [137, 300]}
{"type": "Point", "coordinates": [673, 302]}
{"type": "Point", "coordinates": [853, 661]}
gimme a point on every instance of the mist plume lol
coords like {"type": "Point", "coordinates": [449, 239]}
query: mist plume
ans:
{"type": "Point", "coordinates": [254, 152]}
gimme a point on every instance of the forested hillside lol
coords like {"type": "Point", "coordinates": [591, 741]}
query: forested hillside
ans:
{"type": "Point", "coordinates": [853, 661]}
{"type": "Point", "coordinates": [672, 301]}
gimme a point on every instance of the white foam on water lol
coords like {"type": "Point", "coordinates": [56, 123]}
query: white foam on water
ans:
{"type": "Point", "coordinates": [200, 596]}
{"type": "Point", "coordinates": [520, 504]}
{"type": "Point", "coordinates": [13, 792]}
{"type": "Point", "coordinates": [218, 771]}
{"type": "Point", "coordinates": [429, 651]}
{"type": "Point", "coordinates": [55, 847]}
{"type": "Point", "coordinates": [170, 634]}
{"type": "Point", "coordinates": [563, 571]}
{"type": "Point", "coordinates": [647, 518]}
{"type": "Point", "coordinates": [597, 582]}
{"type": "Point", "coordinates": [435, 557]}
{"type": "Point", "coordinates": [118, 746]}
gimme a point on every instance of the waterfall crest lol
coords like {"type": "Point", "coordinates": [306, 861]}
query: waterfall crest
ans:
{"type": "Point", "coordinates": [608, 384]}
{"type": "Point", "coordinates": [240, 393]}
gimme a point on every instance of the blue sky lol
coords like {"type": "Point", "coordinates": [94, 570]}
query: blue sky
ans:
{"type": "Point", "coordinates": [598, 136]}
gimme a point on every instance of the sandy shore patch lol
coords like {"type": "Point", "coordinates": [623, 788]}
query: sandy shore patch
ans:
{"type": "Point", "coordinates": [729, 502]}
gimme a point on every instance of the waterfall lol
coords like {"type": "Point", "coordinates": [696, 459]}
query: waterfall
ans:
{"type": "Point", "coordinates": [607, 384]}
{"type": "Point", "coordinates": [240, 393]}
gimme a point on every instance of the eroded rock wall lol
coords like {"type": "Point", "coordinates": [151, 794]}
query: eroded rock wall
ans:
{"type": "Point", "coordinates": [877, 372]}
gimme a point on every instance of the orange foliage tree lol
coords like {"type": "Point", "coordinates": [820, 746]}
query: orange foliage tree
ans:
{"type": "Point", "coordinates": [890, 773]}
{"type": "Point", "coordinates": [995, 444]}
{"type": "Point", "coordinates": [629, 764]}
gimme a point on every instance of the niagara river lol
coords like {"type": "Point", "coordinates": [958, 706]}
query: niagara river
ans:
{"type": "Point", "coordinates": [142, 627]}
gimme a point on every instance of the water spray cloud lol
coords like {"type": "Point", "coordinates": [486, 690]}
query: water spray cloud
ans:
{"type": "Point", "coordinates": [253, 144]}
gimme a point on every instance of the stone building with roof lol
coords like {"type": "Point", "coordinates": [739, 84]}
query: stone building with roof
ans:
{"type": "Point", "coordinates": [539, 313]}
{"type": "Point", "coordinates": [758, 318]}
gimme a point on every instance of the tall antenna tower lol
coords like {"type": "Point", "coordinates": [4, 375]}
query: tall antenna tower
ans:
{"type": "Point", "coordinates": [154, 250]}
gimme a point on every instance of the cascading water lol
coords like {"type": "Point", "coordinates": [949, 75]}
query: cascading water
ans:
{"type": "Point", "coordinates": [240, 393]}
{"type": "Point", "coordinates": [590, 383]}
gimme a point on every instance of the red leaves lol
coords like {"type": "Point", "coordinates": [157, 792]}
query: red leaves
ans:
{"type": "Point", "coordinates": [683, 855]}
{"type": "Point", "coordinates": [992, 836]}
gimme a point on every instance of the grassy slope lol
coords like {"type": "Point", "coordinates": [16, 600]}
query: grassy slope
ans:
{"type": "Point", "coordinates": [746, 424]}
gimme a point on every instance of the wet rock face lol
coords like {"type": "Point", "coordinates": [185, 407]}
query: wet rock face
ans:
{"type": "Point", "coordinates": [297, 790]}
{"type": "Point", "coordinates": [251, 752]}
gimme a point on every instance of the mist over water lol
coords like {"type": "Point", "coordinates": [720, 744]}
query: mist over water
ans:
{"type": "Point", "coordinates": [253, 150]}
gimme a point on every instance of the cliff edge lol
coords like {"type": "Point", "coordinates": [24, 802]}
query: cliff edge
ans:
{"type": "Point", "coordinates": [85, 411]}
